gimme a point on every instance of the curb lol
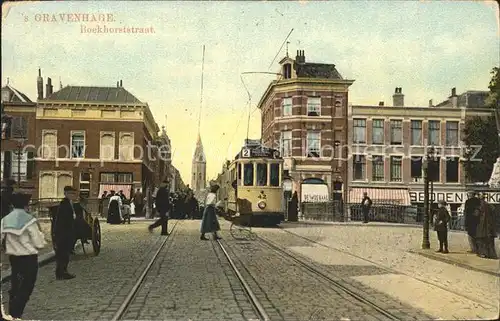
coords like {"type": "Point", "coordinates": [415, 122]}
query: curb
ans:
{"type": "Point", "coordinates": [452, 262]}
{"type": "Point", "coordinates": [43, 259]}
{"type": "Point", "coordinates": [373, 224]}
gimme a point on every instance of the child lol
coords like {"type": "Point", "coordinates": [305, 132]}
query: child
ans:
{"type": "Point", "coordinates": [441, 227]}
{"type": "Point", "coordinates": [23, 239]}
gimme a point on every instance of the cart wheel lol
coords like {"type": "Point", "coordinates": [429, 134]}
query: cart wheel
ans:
{"type": "Point", "coordinates": [96, 236]}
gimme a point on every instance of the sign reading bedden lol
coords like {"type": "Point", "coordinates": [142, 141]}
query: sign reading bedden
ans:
{"type": "Point", "coordinates": [453, 197]}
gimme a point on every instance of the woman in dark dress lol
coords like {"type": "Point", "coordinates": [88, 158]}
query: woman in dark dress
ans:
{"type": "Point", "coordinates": [114, 213]}
{"type": "Point", "coordinates": [209, 222]}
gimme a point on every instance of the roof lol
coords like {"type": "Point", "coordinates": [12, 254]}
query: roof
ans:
{"type": "Point", "coordinates": [101, 94]}
{"type": "Point", "coordinates": [316, 70]}
{"type": "Point", "coordinates": [15, 96]}
{"type": "Point", "coordinates": [469, 99]}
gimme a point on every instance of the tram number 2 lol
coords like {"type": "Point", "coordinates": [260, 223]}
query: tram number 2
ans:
{"type": "Point", "coordinates": [246, 152]}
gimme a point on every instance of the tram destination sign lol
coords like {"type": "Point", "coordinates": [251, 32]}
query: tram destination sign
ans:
{"type": "Point", "coordinates": [260, 151]}
{"type": "Point", "coordinates": [452, 197]}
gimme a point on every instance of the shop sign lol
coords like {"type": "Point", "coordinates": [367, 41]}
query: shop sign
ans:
{"type": "Point", "coordinates": [452, 197]}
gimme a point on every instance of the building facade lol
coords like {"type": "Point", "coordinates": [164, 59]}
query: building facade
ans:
{"type": "Point", "coordinates": [18, 138]}
{"type": "Point", "coordinates": [304, 115]}
{"type": "Point", "coordinates": [199, 168]}
{"type": "Point", "coordinates": [95, 139]}
{"type": "Point", "coordinates": [389, 145]}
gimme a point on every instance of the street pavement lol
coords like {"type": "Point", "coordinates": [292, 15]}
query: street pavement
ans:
{"type": "Point", "coordinates": [440, 289]}
{"type": "Point", "coordinates": [192, 280]}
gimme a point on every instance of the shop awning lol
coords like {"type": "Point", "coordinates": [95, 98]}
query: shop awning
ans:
{"type": "Point", "coordinates": [396, 196]}
{"type": "Point", "coordinates": [126, 188]}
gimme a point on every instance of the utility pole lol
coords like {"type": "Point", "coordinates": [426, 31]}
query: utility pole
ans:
{"type": "Point", "coordinates": [425, 237]}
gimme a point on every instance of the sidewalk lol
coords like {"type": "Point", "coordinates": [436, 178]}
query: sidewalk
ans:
{"type": "Point", "coordinates": [463, 259]}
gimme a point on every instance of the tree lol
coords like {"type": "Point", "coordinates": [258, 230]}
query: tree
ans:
{"type": "Point", "coordinates": [483, 133]}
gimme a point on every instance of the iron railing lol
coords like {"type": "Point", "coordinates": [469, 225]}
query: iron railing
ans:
{"type": "Point", "coordinates": [41, 207]}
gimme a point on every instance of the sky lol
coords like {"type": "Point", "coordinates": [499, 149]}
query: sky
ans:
{"type": "Point", "coordinates": [424, 47]}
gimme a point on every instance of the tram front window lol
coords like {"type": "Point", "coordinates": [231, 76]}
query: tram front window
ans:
{"type": "Point", "coordinates": [248, 174]}
{"type": "Point", "coordinates": [275, 175]}
{"type": "Point", "coordinates": [261, 174]}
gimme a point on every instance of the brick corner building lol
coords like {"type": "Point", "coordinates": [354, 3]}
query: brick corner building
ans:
{"type": "Point", "coordinates": [304, 115]}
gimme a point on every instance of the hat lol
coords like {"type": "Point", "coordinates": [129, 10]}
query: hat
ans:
{"type": "Point", "coordinates": [442, 202]}
{"type": "Point", "coordinates": [69, 188]}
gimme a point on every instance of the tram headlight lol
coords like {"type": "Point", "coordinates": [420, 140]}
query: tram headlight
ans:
{"type": "Point", "coordinates": [262, 205]}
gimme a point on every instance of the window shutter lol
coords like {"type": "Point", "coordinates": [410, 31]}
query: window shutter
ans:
{"type": "Point", "coordinates": [30, 169]}
{"type": "Point", "coordinates": [7, 164]}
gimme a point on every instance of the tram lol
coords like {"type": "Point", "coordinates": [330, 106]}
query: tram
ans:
{"type": "Point", "coordinates": [251, 185]}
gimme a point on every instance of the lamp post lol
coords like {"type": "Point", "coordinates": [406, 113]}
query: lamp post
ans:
{"type": "Point", "coordinates": [431, 154]}
{"type": "Point", "coordinates": [19, 145]}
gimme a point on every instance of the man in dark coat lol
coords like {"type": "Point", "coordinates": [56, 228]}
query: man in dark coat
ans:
{"type": "Point", "coordinates": [471, 213]}
{"type": "Point", "coordinates": [366, 204]}
{"type": "Point", "coordinates": [486, 232]}
{"type": "Point", "coordinates": [293, 208]}
{"type": "Point", "coordinates": [64, 230]}
{"type": "Point", "coordinates": [441, 226]}
{"type": "Point", "coordinates": [162, 205]}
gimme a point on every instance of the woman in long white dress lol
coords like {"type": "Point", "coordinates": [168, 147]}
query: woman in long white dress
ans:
{"type": "Point", "coordinates": [209, 222]}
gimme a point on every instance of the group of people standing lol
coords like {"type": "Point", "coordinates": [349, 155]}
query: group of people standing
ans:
{"type": "Point", "coordinates": [481, 226]}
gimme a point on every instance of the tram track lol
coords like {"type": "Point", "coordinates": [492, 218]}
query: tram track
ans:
{"type": "Point", "coordinates": [259, 309]}
{"type": "Point", "coordinates": [389, 270]}
{"type": "Point", "coordinates": [329, 280]}
{"type": "Point", "coordinates": [122, 310]}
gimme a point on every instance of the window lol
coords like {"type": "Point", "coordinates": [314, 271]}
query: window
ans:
{"type": "Point", "coordinates": [19, 128]}
{"type": "Point", "coordinates": [126, 147]}
{"type": "Point", "coordinates": [286, 107]}
{"type": "Point", "coordinates": [313, 106]}
{"type": "Point", "coordinates": [287, 71]}
{"type": "Point", "coordinates": [313, 144]}
{"type": "Point", "coordinates": [434, 126]}
{"type": "Point", "coordinates": [396, 164]}
{"type": "Point", "coordinates": [124, 177]}
{"type": "Point", "coordinates": [107, 151]}
{"type": "Point", "coordinates": [107, 178]}
{"type": "Point", "coordinates": [359, 131]}
{"type": "Point", "coordinates": [49, 144]}
{"type": "Point", "coordinates": [6, 126]}
{"type": "Point", "coordinates": [275, 175]}
{"type": "Point", "coordinates": [416, 167]}
{"type": "Point", "coordinates": [378, 169]}
{"type": "Point", "coordinates": [261, 174]}
{"type": "Point", "coordinates": [451, 133]}
{"type": "Point", "coordinates": [416, 132]}
{"type": "Point", "coordinates": [85, 184]}
{"type": "Point", "coordinates": [239, 171]}
{"type": "Point", "coordinates": [286, 144]}
{"type": "Point", "coordinates": [77, 144]}
{"type": "Point", "coordinates": [338, 107]}
{"type": "Point", "coordinates": [452, 170]}
{"type": "Point", "coordinates": [248, 174]}
{"type": "Point", "coordinates": [2, 160]}
{"type": "Point", "coordinates": [19, 159]}
{"type": "Point", "coordinates": [378, 131]}
{"type": "Point", "coordinates": [359, 167]}
{"type": "Point", "coordinates": [434, 169]}
{"type": "Point", "coordinates": [396, 132]}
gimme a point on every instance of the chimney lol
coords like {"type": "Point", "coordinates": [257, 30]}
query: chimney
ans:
{"type": "Point", "coordinates": [39, 84]}
{"type": "Point", "coordinates": [117, 84]}
{"type": "Point", "coordinates": [121, 83]}
{"type": "Point", "coordinates": [48, 88]}
{"type": "Point", "coordinates": [398, 98]}
{"type": "Point", "coordinates": [381, 103]}
{"type": "Point", "coordinates": [454, 97]}
{"type": "Point", "coordinates": [300, 58]}
{"type": "Point", "coordinates": [430, 103]}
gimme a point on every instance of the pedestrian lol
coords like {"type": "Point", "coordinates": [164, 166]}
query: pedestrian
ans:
{"type": "Point", "coordinates": [471, 213]}
{"type": "Point", "coordinates": [441, 226]}
{"type": "Point", "coordinates": [82, 228]}
{"type": "Point", "coordinates": [115, 209]}
{"type": "Point", "coordinates": [162, 205]}
{"type": "Point", "coordinates": [293, 208]}
{"type": "Point", "coordinates": [486, 231]}
{"type": "Point", "coordinates": [138, 202]}
{"type": "Point", "coordinates": [23, 239]}
{"type": "Point", "coordinates": [101, 201]}
{"type": "Point", "coordinates": [64, 233]}
{"type": "Point", "coordinates": [209, 222]}
{"type": "Point", "coordinates": [366, 204]}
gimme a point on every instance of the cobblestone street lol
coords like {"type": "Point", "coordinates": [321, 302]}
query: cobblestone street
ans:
{"type": "Point", "coordinates": [193, 280]}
